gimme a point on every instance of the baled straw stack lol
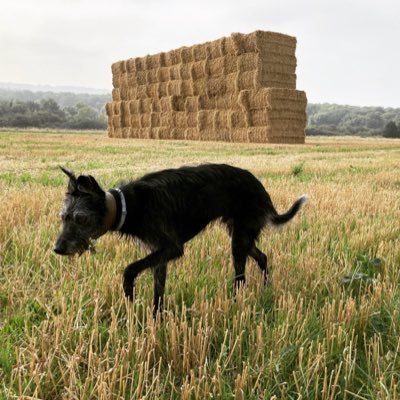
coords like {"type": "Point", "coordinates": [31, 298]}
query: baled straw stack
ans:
{"type": "Point", "coordinates": [237, 88]}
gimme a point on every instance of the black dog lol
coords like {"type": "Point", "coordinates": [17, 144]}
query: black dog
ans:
{"type": "Point", "coordinates": [166, 209]}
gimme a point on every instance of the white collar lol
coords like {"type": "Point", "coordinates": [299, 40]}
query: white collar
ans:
{"type": "Point", "coordinates": [123, 210]}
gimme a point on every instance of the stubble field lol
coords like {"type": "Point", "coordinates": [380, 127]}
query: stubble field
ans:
{"type": "Point", "coordinates": [328, 326]}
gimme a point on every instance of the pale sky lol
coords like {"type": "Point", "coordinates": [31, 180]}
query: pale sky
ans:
{"type": "Point", "coordinates": [347, 51]}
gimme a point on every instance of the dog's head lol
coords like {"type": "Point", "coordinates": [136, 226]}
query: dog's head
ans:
{"type": "Point", "coordinates": [82, 215]}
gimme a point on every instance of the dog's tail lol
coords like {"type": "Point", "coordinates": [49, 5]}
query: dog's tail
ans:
{"type": "Point", "coordinates": [279, 219]}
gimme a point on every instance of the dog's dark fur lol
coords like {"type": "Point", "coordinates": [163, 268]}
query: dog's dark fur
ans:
{"type": "Point", "coordinates": [168, 208]}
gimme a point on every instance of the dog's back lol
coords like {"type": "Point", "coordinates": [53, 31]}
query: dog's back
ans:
{"type": "Point", "coordinates": [183, 201]}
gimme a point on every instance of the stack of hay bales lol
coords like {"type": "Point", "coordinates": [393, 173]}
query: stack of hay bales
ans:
{"type": "Point", "coordinates": [240, 88]}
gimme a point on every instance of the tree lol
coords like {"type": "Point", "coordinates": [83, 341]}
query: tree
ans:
{"type": "Point", "coordinates": [391, 130]}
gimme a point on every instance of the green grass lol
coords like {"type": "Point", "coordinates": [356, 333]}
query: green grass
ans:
{"type": "Point", "coordinates": [327, 327]}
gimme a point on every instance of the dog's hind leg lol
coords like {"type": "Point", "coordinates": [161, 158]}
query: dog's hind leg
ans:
{"type": "Point", "coordinates": [261, 260]}
{"type": "Point", "coordinates": [242, 242]}
{"type": "Point", "coordinates": [160, 275]}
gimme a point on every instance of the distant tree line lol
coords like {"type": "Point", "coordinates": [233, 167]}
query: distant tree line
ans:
{"type": "Point", "coordinates": [333, 119]}
{"type": "Point", "coordinates": [64, 99]}
{"type": "Point", "coordinates": [48, 114]}
{"type": "Point", "coordinates": [25, 109]}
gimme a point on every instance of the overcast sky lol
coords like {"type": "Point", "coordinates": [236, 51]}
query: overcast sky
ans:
{"type": "Point", "coordinates": [347, 51]}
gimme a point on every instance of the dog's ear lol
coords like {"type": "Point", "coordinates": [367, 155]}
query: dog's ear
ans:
{"type": "Point", "coordinates": [72, 179]}
{"type": "Point", "coordinates": [87, 184]}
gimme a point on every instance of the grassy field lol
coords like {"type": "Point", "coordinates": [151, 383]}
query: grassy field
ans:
{"type": "Point", "coordinates": [328, 327]}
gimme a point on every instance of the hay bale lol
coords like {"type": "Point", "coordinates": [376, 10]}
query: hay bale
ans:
{"type": "Point", "coordinates": [237, 88]}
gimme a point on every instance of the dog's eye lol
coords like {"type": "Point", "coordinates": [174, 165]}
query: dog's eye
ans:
{"type": "Point", "coordinates": [80, 219]}
{"type": "Point", "coordinates": [63, 216]}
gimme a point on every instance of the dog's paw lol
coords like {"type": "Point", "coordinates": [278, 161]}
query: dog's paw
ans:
{"type": "Point", "coordinates": [128, 284]}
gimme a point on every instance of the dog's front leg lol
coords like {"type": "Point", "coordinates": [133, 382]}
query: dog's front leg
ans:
{"type": "Point", "coordinates": [159, 257]}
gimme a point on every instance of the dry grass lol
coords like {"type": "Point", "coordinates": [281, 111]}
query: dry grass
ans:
{"type": "Point", "coordinates": [66, 331]}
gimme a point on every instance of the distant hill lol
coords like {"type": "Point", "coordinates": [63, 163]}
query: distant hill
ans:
{"type": "Point", "coordinates": [50, 88]}
{"type": "Point", "coordinates": [64, 99]}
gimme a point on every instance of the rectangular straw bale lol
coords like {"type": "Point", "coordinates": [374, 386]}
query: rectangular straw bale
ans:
{"type": "Point", "coordinates": [163, 74]}
{"type": "Point", "coordinates": [155, 119]}
{"type": "Point", "coordinates": [122, 80]}
{"type": "Point", "coordinates": [109, 108]}
{"type": "Point", "coordinates": [191, 104]}
{"type": "Point", "coordinates": [186, 88]}
{"type": "Point", "coordinates": [116, 95]}
{"type": "Point", "coordinates": [192, 134]}
{"type": "Point", "coordinates": [286, 139]}
{"type": "Point", "coordinates": [174, 88]}
{"type": "Point", "coordinates": [152, 90]}
{"type": "Point", "coordinates": [208, 134]}
{"type": "Point", "coordinates": [217, 86]}
{"type": "Point", "coordinates": [191, 119]}
{"type": "Point", "coordinates": [145, 121]}
{"type": "Point", "coordinates": [258, 134]}
{"type": "Point", "coordinates": [199, 87]}
{"type": "Point", "coordinates": [244, 80]}
{"type": "Point", "coordinates": [166, 104]}
{"type": "Point", "coordinates": [141, 78]}
{"type": "Point", "coordinates": [248, 62]}
{"type": "Point", "coordinates": [258, 118]}
{"type": "Point", "coordinates": [200, 51]}
{"type": "Point", "coordinates": [152, 76]}
{"type": "Point", "coordinates": [131, 133]}
{"type": "Point", "coordinates": [206, 103]}
{"type": "Point", "coordinates": [116, 68]}
{"type": "Point", "coordinates": [130, 66]}
{"type": "Point", "coordinates": [147, 105]}
{"type": "Point", "coordinates": [141, 91]}
{"type": "Point", "coordinates": [275, 42]}
{"type": "Point", "coordinates": [178, 103]}
{"type": "Point", "coordinates": [199, 70]}
{"type": "Point", "coordinates": [116, 80]}
{"type": "Point", "coordinates": [214, 49]}
{"type": "Point", "coordinates": [124, 107]}
{"type": "Point", "coordinates": [173, 57]}
{"type": "Point", "coordinates": [174, 72]}
{"type": "Point", "coordinates": [153, 61]}
{"type": "Point", "coordinates": [205, 120]}
{"type": "Point", "coordinates": [216, 67]}
{"type": "Point", "coordinates": [237, 119]}
{"type": "Point", "coordinates": [135, 106]}
{"type": "Point", "coordinates": [230, 64]}
{"type": "Point", "coordinates": [140, 64]}
{"type": "Point", "coordinates": [256, 41]}
{"type": "Point", "coordinates": [116, 107]}
{"type": "Point", "coordinates": [166, 119]}
{"type": "Point", "coordinates": [185, 71]}
{"type": "Point", "coordinates": [135, 121]}
{"type": "Point", "coordinates": [164, 132]}
{"type": "Point", "coordinates": [178, 133]}
{"type": "Point", "coordinates": [163, 89]}
{"type": "Point", "coordinates": [240, 135]}
{"type": "Point", "coordinates": [155, 105]}
{"type": "Point", "coordinates": [180, 119]}
{"type": "Point", "coordinates": [221, 120]}
{"type": "Point", "coordinates": [186, 55]}
{"type": "Point", "coordinates": [116, 121]}
{"type": "Point", "coordinates": [130, 80]}
{"type": "Point", "coordinates": [226, 102]}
